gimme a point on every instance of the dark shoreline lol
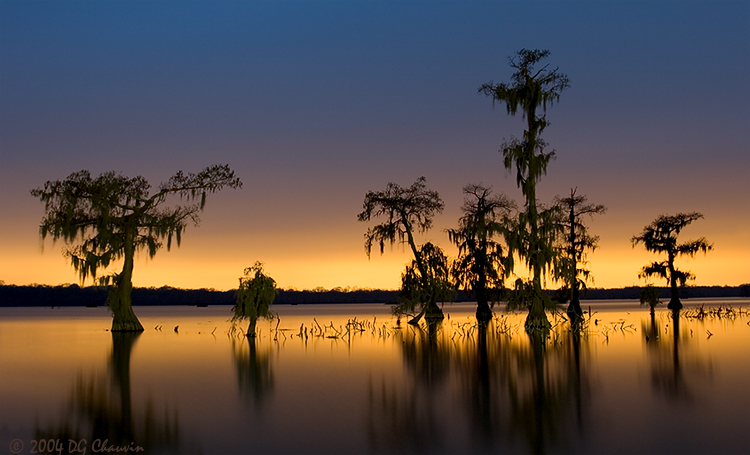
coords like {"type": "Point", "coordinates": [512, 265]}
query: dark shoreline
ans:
{"type": "Point", "coordinates": [92, 296]}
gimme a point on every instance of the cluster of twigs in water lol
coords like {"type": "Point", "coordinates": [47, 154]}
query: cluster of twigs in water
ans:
{"type": "Point", "coordinates": [500, 325]}
{"type": "Point", "coordinates": [315, 330]}
{"type": "Point", "coordinates": [720, 312]}
{"type": "Point", "coordinates": [236, 331]}
{"type": "Point", "coordinates": [621, 326]}
{"type": "Point", "coordinates": [343, 332]}
{"type": "Point", "coordinates": [583, 325]}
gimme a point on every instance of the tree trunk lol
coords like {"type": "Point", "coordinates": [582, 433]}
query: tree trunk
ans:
{"type": "Point", "coordinates": [674, 302]}
{"type": "Point", "coordinates": [574, 307]}
{"type": "Point", "coordinates": [251, 327]}
{"type": "Point", "coordinates": [537, 318]}
{"type": "Point", "coordinates": [415, 320]}
{"type": "Point", "coordinates": [433, 314]}
{"type": "Point", "coordinates": [484, 312]}
{"type": "Point", "coordinates": [123, 317]}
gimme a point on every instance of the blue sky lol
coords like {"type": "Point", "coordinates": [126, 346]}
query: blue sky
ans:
{"type": "Point", "coordinates": [314, 103]}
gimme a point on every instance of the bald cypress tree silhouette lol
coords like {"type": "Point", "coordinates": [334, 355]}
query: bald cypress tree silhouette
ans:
{"type": "Point", "coordinates": [111, 217]}
{"type": "Point", "coordinates": [407, 211]}
{"type": "Point", "coordinates": [482, 263]}
{"type": "Point", "coordinates": [577, 242]}
{"type": "Point", "coordinates": [661, 237]}
{"type": "Point", "coordinates": [533, 239]}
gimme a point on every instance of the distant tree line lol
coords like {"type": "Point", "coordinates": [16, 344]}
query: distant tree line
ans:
{"type": "Point", "coordinates": [74, 295]}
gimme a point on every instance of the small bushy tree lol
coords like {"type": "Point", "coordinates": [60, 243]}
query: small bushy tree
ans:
{"type": "Point", "coordinates": [650, 296]}
{"type": "Point", "coordinates": [436, 286]}
{"type": "Point", "coordinates": [255, 296]}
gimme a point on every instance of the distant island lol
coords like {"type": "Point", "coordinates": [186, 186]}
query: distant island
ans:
{"type": "Point", "coordinates": [92, 296]}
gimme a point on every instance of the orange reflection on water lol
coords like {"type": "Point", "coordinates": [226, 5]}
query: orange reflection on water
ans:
{"type": "Point", "coordinates": [350, 378]}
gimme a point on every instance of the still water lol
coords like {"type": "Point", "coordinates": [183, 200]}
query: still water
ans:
{"type": "Point", "coordinates": [352, 379]}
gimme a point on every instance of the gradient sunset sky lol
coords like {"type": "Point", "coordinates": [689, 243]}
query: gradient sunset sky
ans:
{"type": "Point", "coordinates": [315, 103]}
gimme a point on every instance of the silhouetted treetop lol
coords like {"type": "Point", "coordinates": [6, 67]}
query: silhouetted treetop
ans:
{"type": "Point", "coordinates": [661, 235]}
{"type": "Point", "coordinates": [405, 210]}
{"type": "Point", "coordinates": [530, 87]}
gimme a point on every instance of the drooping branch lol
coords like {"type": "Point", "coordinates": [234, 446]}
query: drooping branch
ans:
{"type": "Point", "coordinates": [191, 185]}
{"type": "Point", "coordinates": [692, 247]}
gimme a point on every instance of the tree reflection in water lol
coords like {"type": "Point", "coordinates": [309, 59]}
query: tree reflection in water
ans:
{"type": "Point", "coordinates": [407, 420]}
{"type": "Point", "coordinates": [547, 389]}
{"type": "Point", "coordinates": [254, 372]}
{"type": "Point", "coordinates": [100, 408]}
{"type": "Point", "coordinates": [516, 391]}
{"type": "Point", "coordinates": [671, 373]}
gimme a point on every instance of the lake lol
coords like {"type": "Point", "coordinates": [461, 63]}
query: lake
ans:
{"type": "Point", "coordinates": [352, 379]}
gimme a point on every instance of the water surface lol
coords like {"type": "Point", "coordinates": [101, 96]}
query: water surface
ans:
{"type": "Point", "coordinates": [351, 379]}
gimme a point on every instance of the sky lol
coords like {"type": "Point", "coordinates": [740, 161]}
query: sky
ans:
{"type": "Point", "coordinates": [313, 104]}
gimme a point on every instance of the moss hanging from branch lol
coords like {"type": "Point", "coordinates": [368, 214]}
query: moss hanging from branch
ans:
{"type": "Point", "coordinates": [112, 217]}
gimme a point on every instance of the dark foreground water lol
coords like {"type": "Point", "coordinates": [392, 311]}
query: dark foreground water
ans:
{"type": "Point", "coordinates": [347, 379]}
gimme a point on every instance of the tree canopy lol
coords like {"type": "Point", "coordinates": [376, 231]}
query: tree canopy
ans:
{"type": "Point", "coordinates": [255, 295]}
{"type": "Point", "coordinates": [481, 263]}
{"type": "Point", "coordinates": [661, 237]}
{"type": "Point", "coordinates": [435, 286]}
{"type": "Point", "coordinates": [406, 210]}
{"type": "Point", "coordinates": [111, 217]}
{"type": "Point", "coordinates": [577, 242]}
{"type": "Point", "coordinates": [530, 87]}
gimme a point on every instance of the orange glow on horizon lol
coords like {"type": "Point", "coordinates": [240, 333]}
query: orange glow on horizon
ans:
{"type": "Point", "coordinates": [213, 258]}
{"type": "Point", "coordinates": [610, 269]}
